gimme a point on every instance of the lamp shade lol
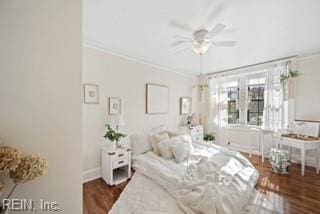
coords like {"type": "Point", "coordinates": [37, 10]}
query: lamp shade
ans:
{"type": "Point", "coordinates": [118, 120]}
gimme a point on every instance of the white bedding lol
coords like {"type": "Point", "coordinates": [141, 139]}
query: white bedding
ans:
{"type": "Point", "coordinates": [170, 189]}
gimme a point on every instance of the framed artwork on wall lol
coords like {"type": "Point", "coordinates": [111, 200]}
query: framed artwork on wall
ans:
{"type": "Point", "coordinates": [114, 105]}
{"type": "Point", "coordinates": [185, 105]}
{"type": "Point", "coordinates": [157, 99]}
{"type": "Point", "coordinates": [91, 93]}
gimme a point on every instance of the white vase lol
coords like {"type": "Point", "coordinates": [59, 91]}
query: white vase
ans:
{"type": "Point", "coordinates": [110, 144]}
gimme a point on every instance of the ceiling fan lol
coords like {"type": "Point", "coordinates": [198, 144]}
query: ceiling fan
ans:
{"type": "Point", "coordinates": [201, 39]}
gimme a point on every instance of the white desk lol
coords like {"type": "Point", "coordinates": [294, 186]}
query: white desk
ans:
{"type": "Point", "coordinates": [262, 133]}
{"type": "Point", "coordinates": [303, 145]}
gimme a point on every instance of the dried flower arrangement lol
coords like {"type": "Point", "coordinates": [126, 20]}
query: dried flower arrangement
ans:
{"type": "Point", "coordinates": [20, 168]}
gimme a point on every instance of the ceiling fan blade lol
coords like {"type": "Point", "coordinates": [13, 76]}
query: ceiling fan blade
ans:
{"type": "Point", "coordinates": [213, 14]}
{"type": "Point", "coordinates": [184, 38]}
{"type": "Point", "coordinates": [179, 42]}
{"type": "Point", "coordinates": [181, 26]}
{"type": "Point", "coordinates": [217, 29]}
{"type": "Point", "coordinates": [225, 43]}
{"type": "Point", "coordinates": [182, 49]}
{"type": "Point", "coordinates": [230, 30]}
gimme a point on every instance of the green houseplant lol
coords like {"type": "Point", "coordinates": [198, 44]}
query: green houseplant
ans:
{"type": "Point", "coordinates": [209, 137]}
{"type": "Point", "coordinates": [112, 135]}
{"type": "Point", "coordinates": [291, 74]}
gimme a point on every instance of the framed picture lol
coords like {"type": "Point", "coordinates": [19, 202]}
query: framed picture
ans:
{"type": "Point", "coordinates": [91, 93]}
{"type": "Point", "coordinates": [157, 99]}
{"type": "Point", "coordinates": [185, 105]}
{"type": "Point", "coordinates": [114, 105]}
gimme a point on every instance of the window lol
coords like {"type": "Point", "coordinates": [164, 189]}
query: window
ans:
{"type": "Point", "coordinates": [233, 103]}
{"type": "Point", "coordinates": [255, 101]}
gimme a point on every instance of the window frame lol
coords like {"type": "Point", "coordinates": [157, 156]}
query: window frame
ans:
{"type": "Point", "coordinates": [258, 100]}
{"type": "Point", "coordinates": [234, 101]}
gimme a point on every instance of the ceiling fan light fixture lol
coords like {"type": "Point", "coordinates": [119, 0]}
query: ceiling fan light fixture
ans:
{"type": "Point", "coordinates": [201, 48]}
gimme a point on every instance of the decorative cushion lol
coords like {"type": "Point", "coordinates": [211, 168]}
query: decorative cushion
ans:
{"type": "Point", "coordinates": [180, 150]}
{"type": "Point", "coordinates": [140, 143]}
{"type": "Point", "coordinates": [165, 148]}
{"type": "Point", "coordinates": [178, 132]}
{"type": "Point", "coordinates": [186, 139]}
{"type": "Point", "coordinates": [159, 129]}
{"type": "Point", "coordinates": [156, 139]}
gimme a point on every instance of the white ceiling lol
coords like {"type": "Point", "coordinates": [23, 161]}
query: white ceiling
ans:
{"type": "Point", "coordinates": [265, 30]}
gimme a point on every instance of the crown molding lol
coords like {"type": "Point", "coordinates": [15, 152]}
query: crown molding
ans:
{"type": "Point", "coordinates": [309, 56]}
{"type": "Point", "coordinates": [100, 47]}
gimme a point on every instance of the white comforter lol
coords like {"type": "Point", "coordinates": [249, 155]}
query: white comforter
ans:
{"type": "Point", "coordinates": [216, 181]}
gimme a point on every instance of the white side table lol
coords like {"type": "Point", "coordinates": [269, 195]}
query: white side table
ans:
{"type": "Point", "coordinates": [303, 145]}
{"type": "Point", "coordinates": [262, 134]}
{"type": "Point", "coordinates": [115, 165]}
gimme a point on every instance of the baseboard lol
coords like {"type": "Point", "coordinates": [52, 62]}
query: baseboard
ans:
{"type": "Point", "coordinates": [91, 174]}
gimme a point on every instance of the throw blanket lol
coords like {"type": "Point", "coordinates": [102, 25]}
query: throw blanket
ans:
{"type": "Point", "coordinates": [216, 181]}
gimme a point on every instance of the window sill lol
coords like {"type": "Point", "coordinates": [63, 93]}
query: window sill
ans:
{"type": "Point", "coordinates": [244, 126]}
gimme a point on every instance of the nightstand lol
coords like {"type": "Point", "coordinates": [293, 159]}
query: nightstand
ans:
{"type": "Point", "coordinates": [116, 165]}
{"type": "Point", "coordinates": [196, 133]}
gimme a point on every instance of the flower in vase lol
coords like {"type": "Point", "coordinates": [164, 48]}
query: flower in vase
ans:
{"type": "Point", "coordinates": [10, 158]}
{"type": "Point", "coordinates": [31, 166]}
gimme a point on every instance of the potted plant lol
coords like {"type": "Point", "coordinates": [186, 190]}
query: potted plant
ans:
{"type": "Point", "coordinates": [113, 136]}
{"type": "Point", "coordinates": [209, 138]}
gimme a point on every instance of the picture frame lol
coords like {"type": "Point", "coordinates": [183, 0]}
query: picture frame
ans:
{"type": "Point", "coordinates": [115, 105]}
{"type": "Point", "coordinates": [91, 93]}
{"type": "Point", "coordinates": [157, 99]}
{"type": "Point", "coordinates": [185, 105]}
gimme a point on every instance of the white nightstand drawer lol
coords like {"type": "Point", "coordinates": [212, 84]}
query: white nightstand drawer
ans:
{"type": "Point", "coordinates": [196, 131]}
{"type": "Point", "coordinates": [119, 154]}
{"type": "Point", "coordinates": [197, 138]}
{"type": "Point", "coordinates": [119, 162]}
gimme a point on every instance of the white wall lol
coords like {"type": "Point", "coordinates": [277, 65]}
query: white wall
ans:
{"type": "Point", "coordinates": [126, 79]}
{"type": "Point", "coordinates": [40, 94]}
{"type": "Point", "coordinates": [308, 88]}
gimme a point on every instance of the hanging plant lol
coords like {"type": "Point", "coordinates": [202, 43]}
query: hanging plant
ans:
{"type": "Point", "coordinates": [291, 74]}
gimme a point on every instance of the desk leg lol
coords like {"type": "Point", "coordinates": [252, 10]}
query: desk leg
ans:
{"type": "Point", "coordinates": [317, 159]}
{"type": "Point", "coordinates": [290, 153]}
{"type": "Point", "coordinates": [250, 145]}
{"type": "Point", "coordinates": [262, 149]}
{"type": "Point", "coordinates": [303, 153]}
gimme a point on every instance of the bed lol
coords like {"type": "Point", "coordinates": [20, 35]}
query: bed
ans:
{"type": "Point", "coordinates": [211, 180]}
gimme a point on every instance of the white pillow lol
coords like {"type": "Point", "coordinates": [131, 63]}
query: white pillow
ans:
{"type": "Point", "coordinates": [159, 129]}
{"type": "Point", "coordinates": [178, 132]}
{"type": "Point", "coordinates": [156, 139]}
{"type": "Point", "coordinates": [186, 139]}
{"type": "Point", "coordinates": [165, 148]}
{"type": "Point", "coordinates": [140, 143]}
{"type": "Point", "coordinates": [180, 150]}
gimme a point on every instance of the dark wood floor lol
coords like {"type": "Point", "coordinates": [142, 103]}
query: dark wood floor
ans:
{"type": "Point", "coordinates": [290, 193]}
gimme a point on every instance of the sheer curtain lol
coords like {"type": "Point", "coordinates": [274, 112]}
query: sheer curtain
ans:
{"type": "Point", "coordinates": [275, 105]}
{"type": "Point", "coordinates": [217, 114]}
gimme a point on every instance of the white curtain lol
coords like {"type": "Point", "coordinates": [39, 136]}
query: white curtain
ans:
{"type": "Point", "coordinates": [275, 107]}
{"type": "Point", "coordinates": [217, 114]}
